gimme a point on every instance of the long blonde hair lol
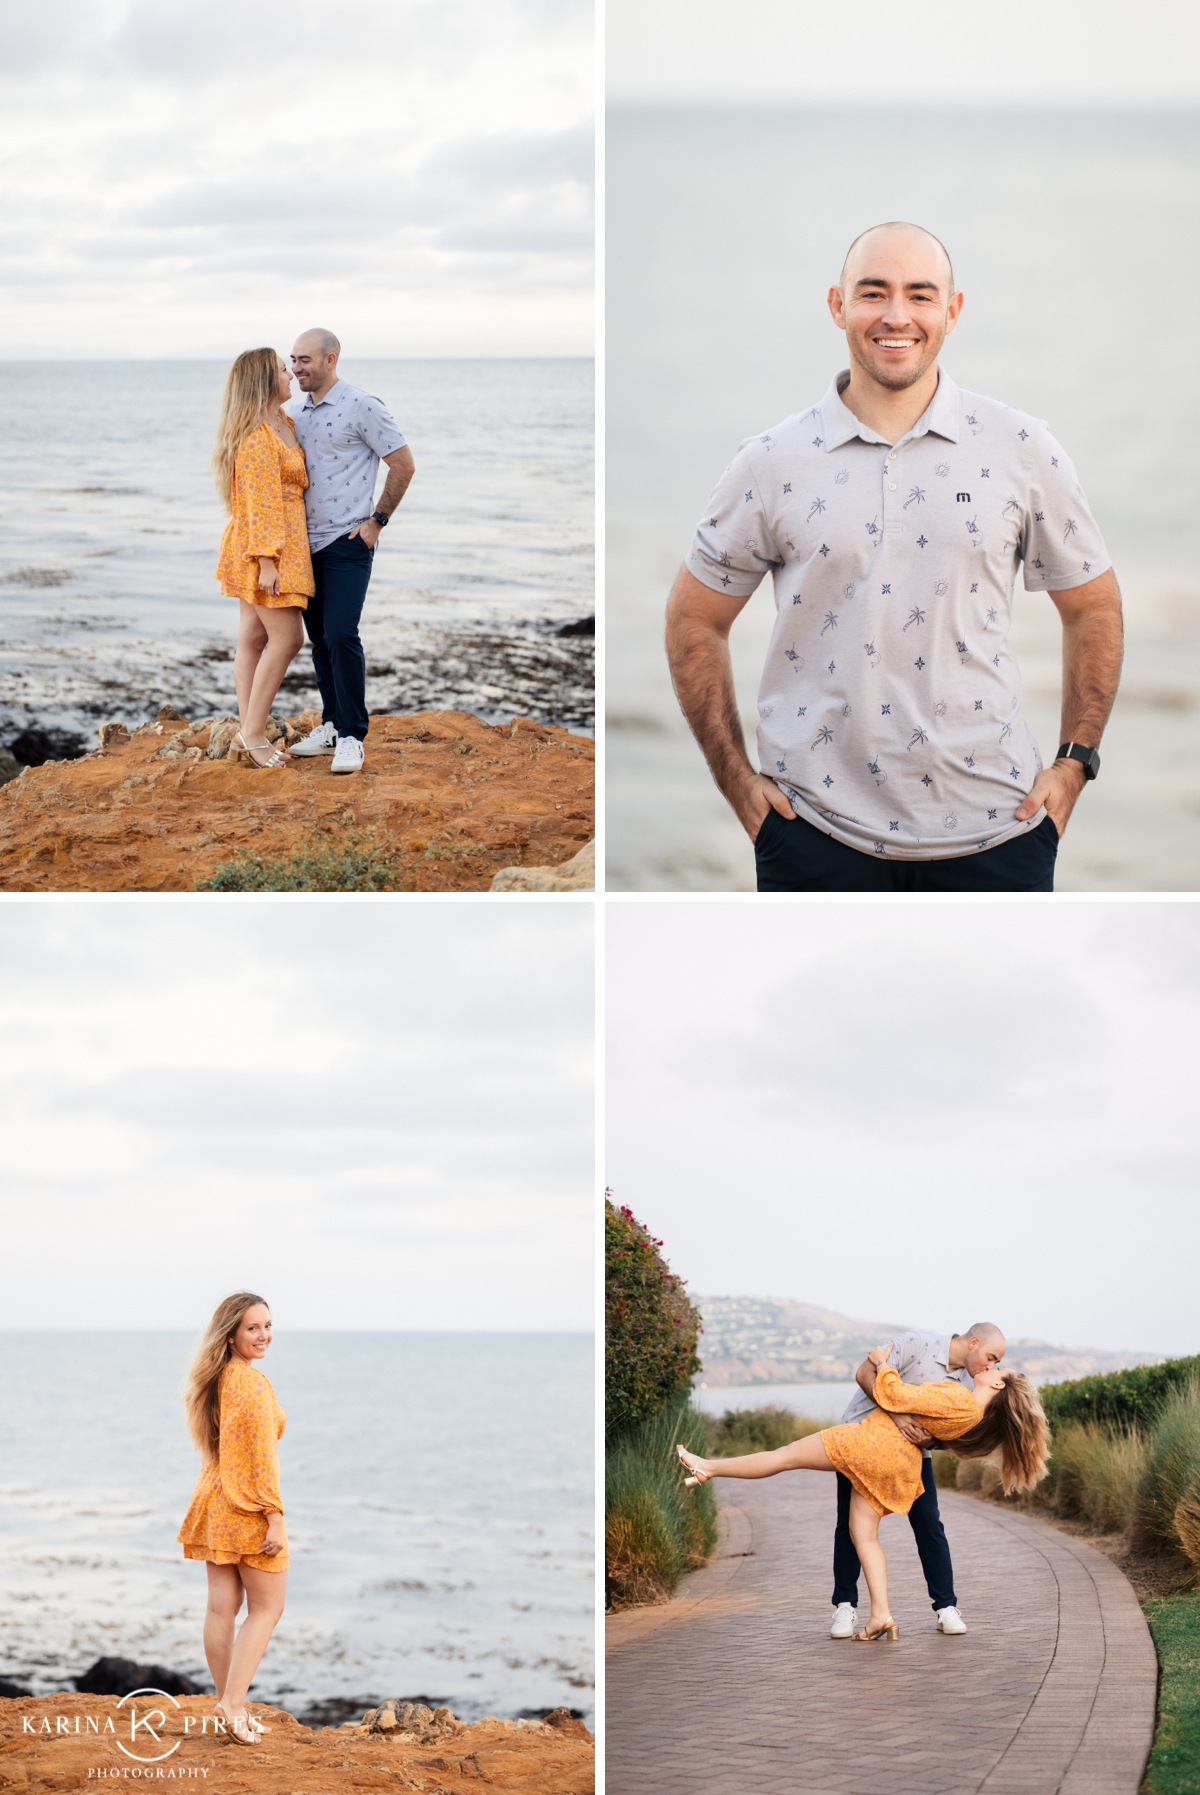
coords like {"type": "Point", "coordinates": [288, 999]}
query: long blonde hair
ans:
{"type": "Point", "coordinates": [201, 1398]}
{"type": "Point", "coordinates": [1014, 1424]}
{"type": "Point", "coordinates": [251, 395]}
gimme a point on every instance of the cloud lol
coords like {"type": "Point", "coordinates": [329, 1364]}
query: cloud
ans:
{"type": "Point", "coordinates": [164, 151]}
{"type": "Point", "coordinates": [398, 1103]}
{"type": "Point", "coordinates": [916, 1111]}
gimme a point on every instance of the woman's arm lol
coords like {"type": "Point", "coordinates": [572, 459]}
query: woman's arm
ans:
{"type": "Point", "coordinates": [249, 1463]}
{"type": "Point", "coordinates": [948, 1399]}
{"type": "Point", "coordinates": [260, 498]}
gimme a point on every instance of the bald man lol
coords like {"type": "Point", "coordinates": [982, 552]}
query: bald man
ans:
{"type": "Point", "coordinates": [892, 518]}
{"type": "Point", "coordinates": [919, 1358]}
{"type": "Point", "coordinates": [344, 433]}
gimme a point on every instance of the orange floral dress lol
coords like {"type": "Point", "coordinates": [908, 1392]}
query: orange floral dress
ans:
{"type": "Point", "coordinates": [268, 487]}
{"type": "Point", "coordinates": [227, 1521]}
{"type": "Point", "coordinates": [881, 1464]}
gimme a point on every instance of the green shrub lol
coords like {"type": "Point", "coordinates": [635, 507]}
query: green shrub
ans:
{"type": "Point", "coordinates": [1167, 1515]}
{"type": "Point", "coordinates": [650, 1326]}
{"type": "Point", "coordinates": [1096, 1474]}
{"type": "Point", "coordinates": [756, 1430]}
{"type": "Point", "coordinates": [654, 1528]}
{"type": "Point", "coordinates": [1120, 1398]}
{"type": "Point", "coordinates": [945, 1470]}
{"type": "Point", "coordinates": [362, 860]}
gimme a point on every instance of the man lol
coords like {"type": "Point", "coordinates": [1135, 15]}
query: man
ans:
{"type": "Point", "coordinates": [892, 518]}
{"type": "Point", "coordinates": [344, 433]}
{"type": "Point", "coordinates": [919, 1359]}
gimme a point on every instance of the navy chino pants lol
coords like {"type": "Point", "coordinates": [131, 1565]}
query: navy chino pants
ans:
{"type": "Point", "coordinates": [932, 1549]}
{"type": "Point", "coordinates": [797, 856]}
{"type": "Point", "coordinates": [341, 572]}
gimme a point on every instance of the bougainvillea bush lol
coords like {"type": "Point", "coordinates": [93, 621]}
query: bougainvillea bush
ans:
{"type": "Point", "coordinates": [650, 1326]}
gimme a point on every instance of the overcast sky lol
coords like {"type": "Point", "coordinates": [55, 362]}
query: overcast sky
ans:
{"type": "Point", "coordinates": [378, 1115]}
{"type": "Point", "coordinates": [948, 53]}
{"type": "Point", "coordinates": [192, 177]}
{"type": "Point", "coordinates": [917, 1112]}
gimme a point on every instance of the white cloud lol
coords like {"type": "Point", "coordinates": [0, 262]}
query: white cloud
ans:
{"type": "Point", "coordinates": [182, 178]}
{"type": "Point", "coordinates": [917, 1111]}
{"type": "Point", "coordinates": [956, 53]}
{"type": "Point", "coordinates": [342, 1105]}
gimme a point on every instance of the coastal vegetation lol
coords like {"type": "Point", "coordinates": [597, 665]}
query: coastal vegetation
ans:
{"type": "Point", "coordinates": [654, 1529]}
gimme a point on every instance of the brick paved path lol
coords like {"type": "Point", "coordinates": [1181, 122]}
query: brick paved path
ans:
{"type": "Point", "coordinates": [735, 1688]}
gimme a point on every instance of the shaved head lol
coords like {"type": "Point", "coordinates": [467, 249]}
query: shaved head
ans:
{"type": "Point", "coordinates": [986, 1332]}
{"type": "Point", "coordinates": [323, 341]}
{"type": "Point", "coordinates": [857, 256]}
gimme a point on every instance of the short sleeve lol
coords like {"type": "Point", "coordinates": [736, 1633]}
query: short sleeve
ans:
{"type": "Point", "coordinates": [1060, 544]}
{"type": "Point", "coordinates": [733, 546]}
{"type": "Point", "coordinates": [247, 1456]}
{"type": "Point", "coordinates": [377, 427]}
{"type": "Point", "coordinates": [260, 495]}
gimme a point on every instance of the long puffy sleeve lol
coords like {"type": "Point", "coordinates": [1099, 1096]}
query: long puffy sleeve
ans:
{"type": "Point", "coordinates": [949, 1401]}
{"type": "Point", "coordinates": [249, 1463]}
{"type": "Point", "coordinates": [259, 495]}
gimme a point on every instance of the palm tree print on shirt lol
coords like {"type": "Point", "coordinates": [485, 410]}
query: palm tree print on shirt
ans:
{"type": "Point", "coordinates": [916, 615]}
{"type": "Point", "coordinates": [822, 736]}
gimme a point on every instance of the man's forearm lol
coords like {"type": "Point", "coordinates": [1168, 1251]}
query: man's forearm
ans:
{"type": "Point", "coordinates": [1092, 648]}
{"type": "Point", "coordinates": [865, 1377]}
{"type": "Point", "coordinates": [399, 477]}
{"type": "Point", "coordinates": [702, 672]}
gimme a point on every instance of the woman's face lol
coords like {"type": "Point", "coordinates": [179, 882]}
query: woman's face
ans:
{"type": "Point", "coordinates": [253, 1335]}
{"type": "Point", "coordinates": [986, 1386]}
{"type": "Point", "coordinates": [285, 381]}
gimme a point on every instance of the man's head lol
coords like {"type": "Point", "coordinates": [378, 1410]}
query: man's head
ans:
{"type": "Point", "coordinates": [980, 1348]}
{"type": "Point", "coordinates": [314, 360]}
{"type": "Point", "coordinates": [896, 303]}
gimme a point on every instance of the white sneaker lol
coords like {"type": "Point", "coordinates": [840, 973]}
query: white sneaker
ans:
{"type": "Point", "coordinates": [349, 756]}
{"type": "Point", "coordinates": [845, 1620]}
{"type": "Point", "coordinates": [950, 1621]}
{"type": "Point", "coordinates": [322, 740]}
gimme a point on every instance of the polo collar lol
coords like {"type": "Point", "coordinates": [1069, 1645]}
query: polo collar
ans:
{"type": "Point", "coordinates": [839, 424]}
{"type": "Point", "coordinates": [325, 398]}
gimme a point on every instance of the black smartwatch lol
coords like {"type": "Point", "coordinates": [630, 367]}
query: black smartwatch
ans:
{"type": "Point", "coordinates": [378, 517]}
{"type": "Point", "coordinates": [1088, 758]}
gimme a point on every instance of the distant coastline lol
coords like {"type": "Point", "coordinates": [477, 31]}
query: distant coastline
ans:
{"type": "Point", "coordinates": [758, 1341]}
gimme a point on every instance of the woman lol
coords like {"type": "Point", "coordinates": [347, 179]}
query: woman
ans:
{"type": "Point", "coordinates": [264, 560]}
{"type": "Point", "coordinates": [235, 1522]}
{"type": "Point", "coordinates": [1002, 1414]}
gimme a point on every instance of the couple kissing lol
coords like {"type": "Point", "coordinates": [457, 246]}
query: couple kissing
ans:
{"type": "Point", "coordinates": [297, 551]}
{"type": "Point", "coordinates": [920, 1389]}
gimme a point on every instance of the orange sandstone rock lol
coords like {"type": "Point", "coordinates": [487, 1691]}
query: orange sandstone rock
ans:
{"type": "Point", "coordinates": [72, 1741]}
{"type": "Point", "coordinates": [462, 800]}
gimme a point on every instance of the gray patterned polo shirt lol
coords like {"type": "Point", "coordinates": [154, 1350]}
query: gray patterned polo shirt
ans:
{"type": "Point", "coordinates": [891, 706]}
{"type": "Point", "coordinates": [919, 1359]}
{"type": "Point", "coordinates": [343, 437]}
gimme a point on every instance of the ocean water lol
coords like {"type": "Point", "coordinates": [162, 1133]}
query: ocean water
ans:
{"type": "Point", "coordinates": [439, 1493]}
{"type": "Point", "coordinates": [109, 531]}
{"type": "Point", "coordinates": [725, 230]}
{"type": "Point", "coordinates": [822, 1402]}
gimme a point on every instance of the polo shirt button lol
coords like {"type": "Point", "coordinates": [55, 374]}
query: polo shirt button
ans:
{"type": "Point", "coordinates": [892, 455]}
{"type": "Point", "coordinates": [892, 486]}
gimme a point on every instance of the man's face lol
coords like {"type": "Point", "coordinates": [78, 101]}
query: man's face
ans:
{"type": "Point", "coordinates": [309, 366]}
{"type": "Point", "coordinates": [981, 1358]}
{"type": "Point", "coordinates": [895, 306]}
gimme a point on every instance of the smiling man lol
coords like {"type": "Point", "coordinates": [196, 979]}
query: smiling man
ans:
{"type": "Point", "coordinates": [345, 433]}
{"type": "Point", "coordinates": [892, 518]}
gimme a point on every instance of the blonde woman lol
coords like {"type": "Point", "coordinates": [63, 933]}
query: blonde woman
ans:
{"type": "Point", "coordinates": [1002, 1414]}
{"type": "Point", "coordinates": [264, 562]}
{"type": "Point", "coordinates": [235, 1523]}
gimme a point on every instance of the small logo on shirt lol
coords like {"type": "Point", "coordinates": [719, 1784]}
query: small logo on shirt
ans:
{"type": "Point", "coordinates": [964, 498]}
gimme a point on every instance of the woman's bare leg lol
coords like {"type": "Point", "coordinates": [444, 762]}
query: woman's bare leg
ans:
{"type": "Point", "coordinates": [285, 634]}
{"type": "Point", "coordinates": [265, 1592]}
{"type": "Point", "coordinates": [252, 639]}
{"type": "Point", "coordinates": [801, 1455]}
{"type": "Point", "coordinates": [864, 1531]}
{"type": "Point", "coordinates": [224, 1600]}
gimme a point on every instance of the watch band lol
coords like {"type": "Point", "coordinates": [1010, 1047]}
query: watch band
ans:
{"type": "Point", "coordinates": [1089, 758]}
{"type": "Point", "coordinates": [380, 518]}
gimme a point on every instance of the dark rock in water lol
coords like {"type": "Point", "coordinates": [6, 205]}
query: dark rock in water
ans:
{"type": "Point", "coordinates": [563, 1718]}
{"type": "Point", "coordinates": [10, 766]}
{"type": "Point", "coordinates": [34, 746]}
{"type": "Point", "coordinates": [10, 1691]}
{"type": "Point", "coordinates": [583, 626]}
{"type": "Point", "coordinates": [121, 1676]}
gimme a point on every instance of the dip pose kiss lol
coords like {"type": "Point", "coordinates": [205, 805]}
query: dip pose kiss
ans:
{"type": "Point", "coordinates": [235, 1522]}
